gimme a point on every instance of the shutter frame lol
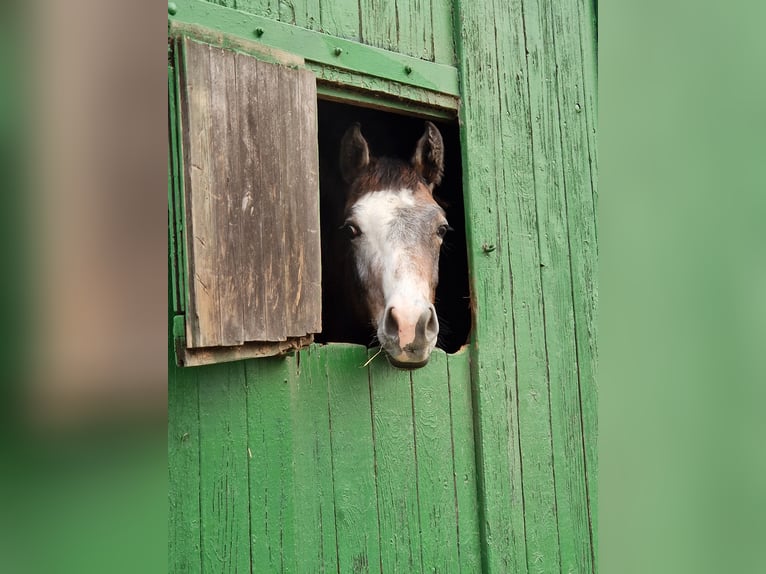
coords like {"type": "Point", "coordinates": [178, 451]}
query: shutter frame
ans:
{"type": "Point", "coordinates": [251, 194]}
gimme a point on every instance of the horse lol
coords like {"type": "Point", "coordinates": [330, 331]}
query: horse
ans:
{"type": "Point", "coordinates": [391, 233]}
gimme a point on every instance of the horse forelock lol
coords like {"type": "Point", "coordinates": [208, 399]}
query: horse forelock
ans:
{"type": "Point", "coordinates": [385, 174]}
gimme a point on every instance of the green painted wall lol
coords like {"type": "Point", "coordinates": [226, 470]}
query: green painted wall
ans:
{"type": "Point", "coordinates": [483, 461]}
{"type": "Point", "coordinates": [418, 28]}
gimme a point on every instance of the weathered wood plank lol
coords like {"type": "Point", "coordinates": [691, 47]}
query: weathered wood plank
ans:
{"type": "Point", "coordinates": [379, 23]}
{"type": "Point", "coordinates": [223, 469]}
{"type": "Point", "coordinates": [203, 324]}
{"type": "Point", "coordinates": [268, 8]}
{"type": "Point", "coordinates": [464, 460]}
{"type": "Point", "coordinates": [315, 542]}
{"type": "Point", "coordinates": [183, 471]}
{"type": "Point", "coordinates": [356, 508]}
{"type": "Point", "coordinates": [308, 303]}
{"type": "Point", "coordinates": [303, 13]}
{"type": "Point", "coordinates": [288, 220]}
{"type": "Point", "coordinates": [435, 465]}
{"type": "Point", "coordinates": [271, 476]}
{"type": "Point", "coordinates": [443, 23]}
{"type": "Point", "coordinates": [397, 485]}
{"type": "Point", "coordinates": [414, 28]}
{"type": "Point", "coordinates": [493, 360]}
{"type": "Point", "coordinates": [548, 126]}
{"type": "Point", "coordinates": [532, 383]}
{"type": "Point", "coordinates": [253, 200]}
{"type": "Point", "coordinates": [270, 161]}
{"type": "Point", "coordinates": [227, 181]}
{"type": "Point", "coordinates": [340, 18]}
{"type": "Point", "coordinates": [252, 132]}
{"type": "Point", "coordinates": [579, 164]}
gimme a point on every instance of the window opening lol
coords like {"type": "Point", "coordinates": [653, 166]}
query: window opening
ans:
{"type": "Point", "coordinates": [392, 135]}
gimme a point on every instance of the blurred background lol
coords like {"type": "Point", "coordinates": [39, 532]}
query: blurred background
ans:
{"type": "Point", "coordinates": [682, 244]}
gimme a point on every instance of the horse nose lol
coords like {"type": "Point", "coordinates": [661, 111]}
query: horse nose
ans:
{"type": "Point", "coordinates": [411, 328]}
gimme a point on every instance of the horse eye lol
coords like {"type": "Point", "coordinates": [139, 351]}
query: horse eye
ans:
{"type": "Point", "coordinates": [350, 230]}
{"type": "Point", "coordinates": [443, 229]}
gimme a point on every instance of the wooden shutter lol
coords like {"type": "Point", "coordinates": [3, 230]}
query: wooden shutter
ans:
{"type": "Point", "coordinates": [252, 205]}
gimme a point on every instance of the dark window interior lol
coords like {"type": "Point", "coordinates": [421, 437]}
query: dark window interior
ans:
{"type": "Point", "coordinates": [393, 135]}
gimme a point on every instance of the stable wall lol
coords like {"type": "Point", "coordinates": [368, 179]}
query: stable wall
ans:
{"type": "Point", "coordinates": [484, 460]}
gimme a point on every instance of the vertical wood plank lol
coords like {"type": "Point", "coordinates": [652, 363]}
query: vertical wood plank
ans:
{"type": "Point", "coordinates": [252, 132]}
{"type": "Point", "coordinates": [549, 128]}
{"type": "Point", "coordinates": [288, 223]}
{"type": "Point", "coordinates": [203, 324]}
{"type": "Point", "coordinates": [223, 468]}
{"type": "Point", "coordinates": [270, 160]}
{"type": "Point", "coordinates": [183, 470]}
{"type": "Point", "coordinates": [315, 542]}
{"type": "Point", "coordinates": [308, 304]}
{"type": "Point", "coordinates": [305, 13]}
{"type": "Point", "coordinates": [379, 20]}
{"type": "Point", "coordinates": [579, 164]}
{"type": "Point", "coordinates": [401, 545]}
{"type": "Point", "coordinates": [353, 461]}
{"type": "Point", "coordinates": [493, 367]}
{"type": "Point", "coordinates": [270, 464]}
{"type": "Point", "coordinates": [341, 18]}
{"type": "Point", "coordinates": [464, 457]}
{"type": "Point", "coordinates": [227, 183]}
{"type": "Point", "coordinates": [518, 179]}
{"type": "Point", "coordinates": [268, 8]}
{"type": "Point", "coordinates": [414, 28]}
{"type": "Point", "coordinates": [435, 464]}
{"type": "Point", "coordinates": [443, 25]}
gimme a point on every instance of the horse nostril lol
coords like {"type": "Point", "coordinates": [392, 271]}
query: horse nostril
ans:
{"type": "Point", "coordinates": [390, 324]}
{"type": "Point", "coordinates": [432, 327]}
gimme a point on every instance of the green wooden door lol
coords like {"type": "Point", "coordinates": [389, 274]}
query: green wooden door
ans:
{"type": "Point", "coordinates": [483, 461]}
{"type": "Point", "coordinates": [314, 463]}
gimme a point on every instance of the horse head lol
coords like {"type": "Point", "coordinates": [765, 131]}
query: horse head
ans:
{"type": "Point", "coordinates": [395, 230]}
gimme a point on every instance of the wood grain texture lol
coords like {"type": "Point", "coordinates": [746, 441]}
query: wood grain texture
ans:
{"type": "Point", "coordinates": [252, 196]}
{"type": "Point", "coordinates": [521, 198]}
{"type": "Point", "coordinates": [252, 131]}
{"type": "Point", "coordinates": [414, 30]}
{"type": "Point", "coordinates": [379, 22]}
{"type": "Point", "coordinates": [353, 455]}
{"type": "Point", "coordinates": [518, 203]}
{"type": "Point", "coordinates": [555, 271]}
{"type": "Point", "coordinates": [396, 473]}
{"type": "Point", "coordinates": [577, 94]}
{"type": "Point", "coordinates": [464, 461]}
{"type": "Point", "coordinates": [340, 18]}
{"type": "Point", "coordinates": [223, 493]}
{"type": "Point", "coordinates": [436, 485]}
{"type": "Point", "coordinates": [271, 476]}
{"type": "Point", "coordinates": [316, 545]}
{"type": "Point", "coordinates": [493, 361]}
{"type": "Point", "coordinates": [183, 471]}
{"type": "Point", "coordinates": [227, 176]}
{"type": "Point", "coordinates": [204, 325]}
{"type": "Point", "coordinates": [443, 26]}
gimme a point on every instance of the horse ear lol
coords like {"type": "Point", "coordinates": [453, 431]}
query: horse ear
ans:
{"type": "Point", "coordinates": [354, 153]}
{"type": "Point", "coordinates": [428, 159]}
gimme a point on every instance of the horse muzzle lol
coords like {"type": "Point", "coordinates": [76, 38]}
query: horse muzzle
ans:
{"type": "Point", "coordinates": [408, 335]}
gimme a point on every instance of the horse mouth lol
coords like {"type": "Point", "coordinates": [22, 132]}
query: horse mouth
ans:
{"type": "Point", "coordinates": [407, 365]}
